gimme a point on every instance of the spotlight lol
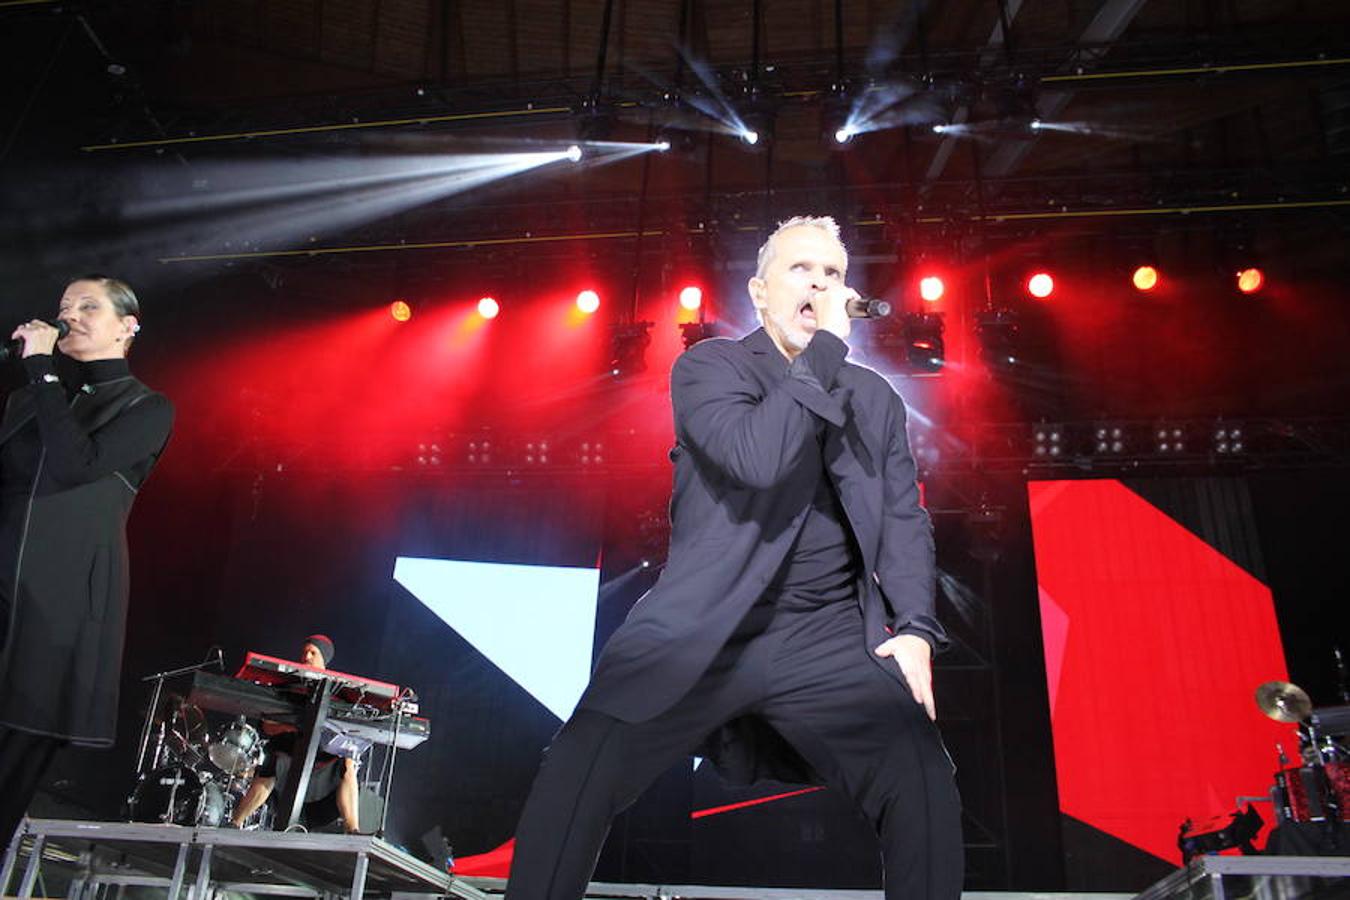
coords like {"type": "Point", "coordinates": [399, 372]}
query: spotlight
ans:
{"type": "Point", "coordinates": [628, 345]}
{"type": "Point", "coordinates": [693, 332]}
{"type": "Point", "coordinates": [939, 129]}
{"type": "Point", "coordinates": [429, 454]}
{"type": "Point", "coordinates": [488, 308]}
{"type": "Point", "coordinates": [591, 453]}
{"type": "Point", "coordinates": [1145, 278]}
{"type": "Point", "coordinates": [400, 310]}
{"type": "Point", "coordinates": [480, 452]}
{"type": "Point", "coordinates": [1110, 439]}
{"type": "Point", "coordinates": [750, 136]}
{"type": "Point", "coordinates": [662, 146]}
{"type": "Point", "coordinates": [536, 453]}
{"type": "Point", "coordinates": [998, 332]}
{"type": "Point", "coordinates": [1169, 439]}
{"type": "Point", "coordinates": [691, 297]}
{"type": "Point", "coordinates": [924, 347]}
{"type": "Point", "coordinates": [1229, 439]}
{"type": "Point", "coordinates": [588, 301]}
{"type": "Point", "coordinates": [931, 288]}
{"type": "Point", "coordinates": [844, 135]}
{"type": "Point", "coordinates": [1249, 281]}
{"type": "Point", "coordinates": [1036, 125]}
{"type": "Point", "coordinates": [1040, 285]}
{"type": "Point", "coordinates": [574, 153]}
{"type": "Point", "coordinates": [1047, 440]}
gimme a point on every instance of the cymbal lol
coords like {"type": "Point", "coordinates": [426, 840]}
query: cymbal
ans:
{"type": "Point", "coordinates": [1283, 702]}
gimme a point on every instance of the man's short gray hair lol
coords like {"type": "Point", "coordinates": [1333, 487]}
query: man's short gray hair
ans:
{"type": "Point", "coordinates": [826, 224]}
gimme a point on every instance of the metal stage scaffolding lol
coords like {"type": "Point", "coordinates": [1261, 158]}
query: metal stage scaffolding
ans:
{"type": "Point", "coordinates": [99, 855]}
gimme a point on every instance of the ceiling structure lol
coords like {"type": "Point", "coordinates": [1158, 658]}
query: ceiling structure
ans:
{"type": "Point", "coordinates": [1179, 103]}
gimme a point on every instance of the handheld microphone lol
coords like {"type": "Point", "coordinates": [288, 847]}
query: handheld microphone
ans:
{"type": "Point", "coordinates": [13, 349]}
{"type": "Point", "coordinates": [867, 308]}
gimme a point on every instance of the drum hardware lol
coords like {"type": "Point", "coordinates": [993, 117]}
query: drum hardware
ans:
{"type": "Point", "coordinates": [1319, 789]}
{"type": "Point", "coordinates": [142, 764]}
{"type": "Point", "coordinates": [1216, 835]}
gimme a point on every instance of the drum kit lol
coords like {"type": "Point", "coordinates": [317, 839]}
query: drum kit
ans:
{"type": "Point", "coordinates": [195, 776]}
{"type": "Point", "coordinates": [1318, 789]}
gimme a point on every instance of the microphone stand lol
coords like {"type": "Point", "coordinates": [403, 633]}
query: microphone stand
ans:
{"type": "Point", "coordinates": [159, 678]}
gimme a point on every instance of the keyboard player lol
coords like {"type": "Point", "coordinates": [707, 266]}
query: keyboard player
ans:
{"type": "Point", "coordinates": [333, 791]}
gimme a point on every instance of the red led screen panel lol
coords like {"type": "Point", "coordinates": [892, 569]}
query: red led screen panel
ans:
{"type": "Point", "coordinates": [1154, 645]}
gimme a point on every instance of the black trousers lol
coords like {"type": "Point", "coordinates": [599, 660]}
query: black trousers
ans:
{"type": "Point", "coordinates": [24, 759]}
{"type": "Point", "coordinates": [805, 672]}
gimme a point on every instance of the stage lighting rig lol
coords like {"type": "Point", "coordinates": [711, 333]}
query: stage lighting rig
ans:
{"type": "Point", "coordinates": [1169, 439]}
{"type": "Point", "coordinates": [693, 332]}
{"type": "Point", "coordinates": [1047, 441]}
{"type": "Point", "coordinates": [430, 454]}
{"type": "Point", "coordinates": [1110, 439]}
{"type": "Point", "coordinates": [591, 453]}
{"type": "Point", "coordinates": [999, 334]}
{"type": "Point", "coordinates": [536, 453]}
{"type": "Point", "coordinates": [925, 350]}
{"type": "Point", "coordinates": [1230, 439]}
{"type": "Point", "coordinates": [479, 452]}
{"type": "Point", "coordinates": [628, 343]}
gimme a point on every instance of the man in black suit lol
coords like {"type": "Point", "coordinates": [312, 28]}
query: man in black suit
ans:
{"type": "Point", "coordinates": [791, 632]}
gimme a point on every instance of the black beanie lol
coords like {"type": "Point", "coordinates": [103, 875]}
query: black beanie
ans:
{"type": "Point", "coordinates": [324, 644]}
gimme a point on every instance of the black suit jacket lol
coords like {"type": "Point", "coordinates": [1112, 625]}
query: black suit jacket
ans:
{"type": "Point", "coordinates": [747, 463]}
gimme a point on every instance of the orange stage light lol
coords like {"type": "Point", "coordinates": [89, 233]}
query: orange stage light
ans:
{"type": "Point", "coordinates": [1249, 281]}
{"type": "Point", "coordinates": [400, 310]}
{"type": "Point", "coordinates": [1145, 278]}
{"type": "Point", "coordinates": [488, 308]}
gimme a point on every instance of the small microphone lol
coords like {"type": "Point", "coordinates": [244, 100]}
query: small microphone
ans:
{"type": "Point", "coordinates": [14, 348]}
{"type": "Point", "coordinates": [866, 308]}
{"type": "Point", "coordinates": [216, 657]}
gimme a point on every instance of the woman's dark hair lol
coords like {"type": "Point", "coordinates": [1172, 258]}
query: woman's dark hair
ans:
{"type": "Point", "coordinates": [119, 292]}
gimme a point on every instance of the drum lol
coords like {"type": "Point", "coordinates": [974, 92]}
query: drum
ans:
{"type": "Point", "coordinates": [1309, 791]}
{"type": "Point", "coordinates": [237, 748]}
{"type": "Point", "coordinates": [178, 796]}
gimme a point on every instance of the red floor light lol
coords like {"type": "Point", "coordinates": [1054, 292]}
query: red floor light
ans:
{"type": "Point", "coordinates": [1249, 281]}
{"type": "Point", "coordinates": [1145, 278]}
{"type": "Point", "coordinates": [488, 308]}
{"type": "Point", "coordinates": [931, 288]}
{"type": "Point", "coordinates": [588, 301]}
{"type": "Point", "coordinates": [1040, 285]}
{"type": "Point", "coordinates": [400, 310]}
{"type": "Point", "coordinates": [691, 297]}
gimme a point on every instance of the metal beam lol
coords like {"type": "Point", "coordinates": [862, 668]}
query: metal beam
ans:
{"type": "Point", "coordinates": [995, 44]}
{"type": "Point", "coordinates": [1105, 28]}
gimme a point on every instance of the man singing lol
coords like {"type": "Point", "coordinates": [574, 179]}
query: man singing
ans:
{"type": "Point", "coordinates": [791, 632]}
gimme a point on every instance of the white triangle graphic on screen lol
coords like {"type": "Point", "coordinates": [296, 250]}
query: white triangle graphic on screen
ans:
{"type": "Point", "coordinates": [535, 623]}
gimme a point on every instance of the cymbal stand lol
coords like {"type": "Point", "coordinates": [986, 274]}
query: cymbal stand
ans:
{"type": "Point", "coordinates": [159, 678]}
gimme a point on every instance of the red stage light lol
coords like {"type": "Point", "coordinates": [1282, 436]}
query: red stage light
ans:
{"type": "Point", "coordinates": [1249, 281]}
{"type": "Point", "coordinates": [400, 310]}
{"type": "Point", "coordinates": [1040, 285]}
{"type": "Point", "coordinates": [1145, 278]}
{"type": "Point", "coordinates": [691, 297]}
{"type": "Point", "coordinates": [931, 288]}
{"type": "Point", "coordinates": [588, 301]}
{"type": "Point", "coordinates": [488, 308]}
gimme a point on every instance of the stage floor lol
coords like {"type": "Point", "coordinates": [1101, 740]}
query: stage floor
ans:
{"type": "Point", "coordinates": [85, 858]}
